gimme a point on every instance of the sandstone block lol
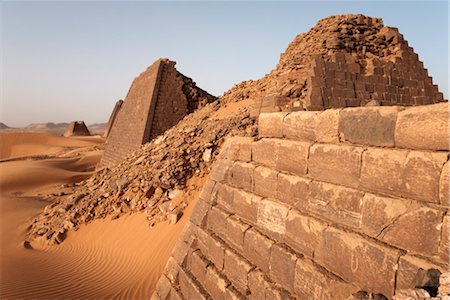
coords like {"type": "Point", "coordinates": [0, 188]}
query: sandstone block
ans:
{"type": "Point", "coordinates": [207, 191]}
{"type": "Point", "coordinates": [271, 124]}
{"type": "Point", "coordinates": [242, 175]}
{"type": "Point", "coordinates": [198, 215]}
{"type": "Point", "coordinates": [300, 126]}
{"type": "Point", "coordinates": [189, 288]}
{"type": "Point", "coordinates": [408, 269]}
{"type": "Point", "coordinates": [215, 283]}
{"type": "Point", "coordinates": [220, 170]}
{"type": "Point", "coordinates": [217, 220]}
{"type": "Point", "coordinates": [369, 266]}
{"type": "Point", "coordinates": [257, 249]}
{"type": "Point", "coordinates": [171, 271]}
{"type": "Point", "coordinates": [163, 287]}
{"type": "Point", "coordinates": [236, 269]}
{"type": "Point", "coordinates": [224, 196]}
{"type": "Point", "coordinates": [421, 175]}
{"type": "Point", "coordinates": [336, 164]}
{"type": "Point", "coordinates": [245, 205]}
{"type": "Point", "coordinates": [417, 231]}
{"type": "Point", "coordinates": [303, 233]}
{"type": "Point", "coordinates": [292, 156]}
{"type": "Point", "coordinates": [293, 190]}
{"type": "Point", "coordinates": [312, 283]}
{"type": "Point", "coordinates": [197, 265]}
{"type": "Point", "coordinates": [282, 266]}
{"type": "Point", "coordinates": [368, 125]}
{"type": "Point", "coordinates": [237, 148]}
{"type": "Point", "coordinates": [211, 248]}
{"type": "Point", "coordinates": [336, 203]}
{"type": "Point", "coordinates": [235, 233]}
{"type": "Point", "coordinates": [327, 125]}
{"type": "Point", "coordinates": [257, 283]}
{"type": "Point", "coordinates": [423, 127]}
{"type": "Point", "coordinates": [444, 185]}
{"type": "Point", "coordinates": [265, 152]}
{"type": "Point", "coordinates": [444, 245]}
{"type": "Point", "coordinates": [272, 216]}
{"type": "Point", "coordinates": [265, 182]}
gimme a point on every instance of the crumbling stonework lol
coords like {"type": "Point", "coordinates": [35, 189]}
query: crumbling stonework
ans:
{"type": "Point", "coordinates": [332, 212]}
{"type": "Point", "coordinates": [157, 100]}
{"type": "Point", "coordinates": [113, 117]}
{"type": "Point", "coordinates": [77, 128]}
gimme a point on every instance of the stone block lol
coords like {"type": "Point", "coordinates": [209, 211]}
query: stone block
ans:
{"type": "Point", "coordinates": [300, 126]}
{"type": "Point", "coordinates": [257, 249]}
{"type": "Point", "coordinates": [368, 125]}
{"type": "Point", "coordinates": [265, 182]}
{"type": "Point", "coordinates": [444, 245]}
{"type": "Point", "coordinates": [189, 288]}
{"type": "Point", "coordinates": [368, 265]}
{"type": "Point", "coordinates": [163, 287]}
{"type": "Point", "coordinates": [171, 270]}
{"type": "Point", "coordinates": [217, 221]}
{"type": "Point", "coordinates": [198, 215]}
{"type": "Point", "coordinates": [272, 216]}
{"type": "Point", "coordinates": [327, 125]}
{"type": "Point", "coordinates": [224, 196]}
{"type": "Point", "coordinates": [444, 185]}
{"type": "Point", "coordinates": [245, 205]}
{"type": "Point", "coordinates": [293, 156]}
{"type": "Point", "coordinates": [303, 233]}
{"type": "Point", "coordinates": [265, 152]}
{"type": "Point", "coordinates": [336, 164]}
{"type": "Point", "coordinates": [381, 170]}
{"type": "Point", "coordinates": [313, 283]}
{"type": "Point", "coordinates": [421, 174]}
{"type": "Point", "coordinates": [236, 269]}
{"type": "Point", "coordinates": [423, 127]}
{"type": "Point", "coordinates": [221, 170]}
{"type": "Point", "coordinates": [257, 283]}
{"type": "Point", "coordinates": [409, 267]}
{"type": "Point", "coordinates": [336, 203]}
{"type": "Point", "coordinates": [215, 283]}
{"type": "Point", "coordinates": [211, 248]}
{"type": "Point", "coordinates": [379, 212]}
{"type": "Point", "coordinates": [417, 231]}
{"type": "Point", "coordinates": [197, 265]}
{"type": "Point", "coordinates": [207, 191]}
{"type": "Point", "coordinates": [282, 266]}
{"type": "Point", "coordinates": [293, 190]}
{"type": "Point", "coordinates": [237, 148]}
{"type": "Point", "coordinates": [271, 124]}
{"type": "Point", "coordinates": [242, 175]}
{"type": "Point", "coordinates": [235, 233]}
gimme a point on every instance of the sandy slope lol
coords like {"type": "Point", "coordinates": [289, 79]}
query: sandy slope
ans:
{"type": "Point", "coordinates": [122, 258]}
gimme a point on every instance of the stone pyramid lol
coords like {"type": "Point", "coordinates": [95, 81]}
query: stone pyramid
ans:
{"type": "Point", "coordinates": [77, 128]}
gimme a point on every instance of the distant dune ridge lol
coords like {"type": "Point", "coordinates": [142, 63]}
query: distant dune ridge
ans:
{"type": "Point", "coordinates": [52, 128]}
{"type": "Point", "coordinates": [279, 215]}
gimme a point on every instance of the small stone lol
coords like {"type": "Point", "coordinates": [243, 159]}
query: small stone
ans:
{"type": "Point", "coordinates": [174, 216]}
{"type": "Point", "coordinates": [27, 245]}
{"type": "Point", "coordinates": [207, 155]}
{"type": "Point", "coordinates": [174, 193]}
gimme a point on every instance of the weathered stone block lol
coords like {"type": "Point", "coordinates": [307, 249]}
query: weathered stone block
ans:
{"type": "Point", "coordinates": [416, 231]}
{"type": "Point", "coordinates": [198, 215]}
{"type": "Point", "coordinates": [189, 288]}
{"type": "Point", "coordinates": [163, 287]}
{"type": "Point", "coordinates": [336, 203]}
{"type": "Point", "coordinates": [408, 267]}
{"type": "Point", "coordinates": [257, 249]}
{"type": "Point", "coordinates": [272, 216]}
{"type": "Point", "coordinates": [444, 245]}
{"type": "Point", "coordinates": [379, 212]}
{"type": "Point", "coordinates": [171, 270]}
{"type": "Point", "coordinates": [215, 283]}
{"type": "Point", "coordinates": [207, 191]}
{"type": "Point", "coordinates": [224, 196]}
{"type": "Point", "coordinates": [257, 285]}
{"type": "Point", "coordinates": [368, 125]}
{"type": "Point", "coordinates": [221, 170]}
{"type": "Point", "coordinates": [237, 148]}
{"type": "Point", "coordinates": [265, 152]}
{"type": "Point", "coordinates": [423, 127]}
{"type": "Point", "coordinates": [242, 175]}
{"type": "Point", "coordinates": [327, 125]}
{"type": "Point", "coordinates": [197, 265]}
{"type": "Point", "coordinates": [235, 233]}
{"type": "Point", "coordinates": [236, 269]}
{"type": "Point", "coordinates": [421, 175]}
{"type": "Point", "coordinates": [265, 182]}
{"type": "Point", "coordinates": [217, 220]}
{"type": "Point", "coordinates": [211, 248]}
{"type": "Point", "coordinates": [282, 266]}
{"type": "Point", "coordinates": [293, 156]}
{"type": "Point", "coordinates": [336, 164]}
{"type": "Point", "coordinates": [444, 185]}
{"type": "Point", "coordinates": [245, 205]}
{"type": "Point", "coordinates": [300, 126]}
{"type": "Point", "coordinates": [271, 124]}
{"type": "Point", "coordinates": [303, 233]}
{"type": "Point", "coordinates": [381, 170]}
{"type": "Point", "coordinates": [293, 190]}
{"type": "Point", "coordinates": [312, 283]}
{"type": "Point", "coordinates": [368, 265]}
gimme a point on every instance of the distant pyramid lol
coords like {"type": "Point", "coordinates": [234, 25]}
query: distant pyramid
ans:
{"type": "Point", "coordinates": [77, 128]}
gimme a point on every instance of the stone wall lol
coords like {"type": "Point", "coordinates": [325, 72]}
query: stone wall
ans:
{"type": "Point", "coordinates": [157, 100]}
{"type": "Point", "coordinates": [322, 206]}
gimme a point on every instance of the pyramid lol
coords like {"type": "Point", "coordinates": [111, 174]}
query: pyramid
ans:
{"type": "Point", "coordinates": [157, 100]}
{"type": "Point", "coordinates": [113, 117]}
{"type": "Point", "coordinates": [77, 128]}
{"type": "Point", "coordinates": [345, 61]}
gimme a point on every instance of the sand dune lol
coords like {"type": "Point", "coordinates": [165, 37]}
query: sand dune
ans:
{"type": "Point", "coordinates": [121, 259]}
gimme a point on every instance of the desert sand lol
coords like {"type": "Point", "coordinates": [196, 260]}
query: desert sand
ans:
{"type": "Point", "coordinates": [122, 258]}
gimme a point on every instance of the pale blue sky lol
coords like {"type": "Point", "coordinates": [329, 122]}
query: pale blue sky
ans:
{"type": "Point", "coordinates": [63, 61]}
